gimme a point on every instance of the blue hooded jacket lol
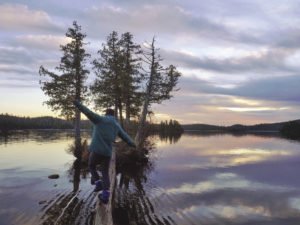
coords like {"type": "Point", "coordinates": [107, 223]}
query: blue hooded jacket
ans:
{"type": "Point", "coordinates": [105, 131]}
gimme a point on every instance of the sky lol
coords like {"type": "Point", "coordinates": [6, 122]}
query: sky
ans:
{"type": "Point", "coordinates": [239, 59]}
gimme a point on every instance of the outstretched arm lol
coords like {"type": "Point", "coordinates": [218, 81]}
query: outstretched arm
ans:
{"type": "Point", "coordinates": [125, 137]}
{"type": "Point", "coordinates": [94, 117]}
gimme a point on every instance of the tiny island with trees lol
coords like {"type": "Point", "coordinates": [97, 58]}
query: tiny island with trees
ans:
{"type": "Point", "coordinates": [129, 78]}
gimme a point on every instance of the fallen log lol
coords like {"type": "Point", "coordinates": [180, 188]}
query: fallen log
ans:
{"type": "Point", "coordinates": [103, 214]}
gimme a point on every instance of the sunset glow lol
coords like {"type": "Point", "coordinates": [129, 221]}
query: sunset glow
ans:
{"type": "Point", "coordinates": [238, 64]}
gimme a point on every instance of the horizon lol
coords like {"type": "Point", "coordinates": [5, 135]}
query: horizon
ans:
{"type": "Point", "coordinates": [238, 59]}
{"type": "Point", "coordinates": [183, 124]}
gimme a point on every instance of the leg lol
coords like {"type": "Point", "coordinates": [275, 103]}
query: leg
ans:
{"type": "Point", "coordinates": [104, 195]}
{"type": "Point", "coordinates": [93, 161]}
{"type": "Point", "coordinates": [105, 172]}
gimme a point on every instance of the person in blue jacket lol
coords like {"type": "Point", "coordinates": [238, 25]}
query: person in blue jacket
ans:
{"type": "Point", "coordinates": [105, 130]}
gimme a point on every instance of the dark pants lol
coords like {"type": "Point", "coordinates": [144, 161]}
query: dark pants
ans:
{"type": "Point", "coordinates": [96, 159]}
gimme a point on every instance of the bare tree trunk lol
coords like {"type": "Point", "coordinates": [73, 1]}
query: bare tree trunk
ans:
{"type": "Point", "coordinates": [141, 127]}
{"type": "Point", "coordinates": [140, 135]}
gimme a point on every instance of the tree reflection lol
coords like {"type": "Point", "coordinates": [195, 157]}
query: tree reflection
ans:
{"type": "Point", "coordinates": [72, 207]}
{"type": "Point", "coordinates": [39, 135]}
{"type": "Point", "coordinates": [132, 205]}
{"type": "Point", "coordinates": [79, 168]}
{"type": "Point", "coordinates": [171, 138]}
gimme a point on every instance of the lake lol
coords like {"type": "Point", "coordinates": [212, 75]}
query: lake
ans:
{"type": "Point", "coordinates": [193, 179]}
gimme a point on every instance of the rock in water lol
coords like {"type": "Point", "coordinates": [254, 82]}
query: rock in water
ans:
{"type": "Point", "coordinates": [53, 176]}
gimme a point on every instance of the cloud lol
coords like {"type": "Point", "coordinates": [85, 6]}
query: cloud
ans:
{"type": "Point", "coordinates": [11, 69]}
{"type": "Point", "coordinates": [272, 60]}
{"type": "Point", "coordinates": [19, 18]}
{"type": "Point", "coordinates": [41, 42]}
{"type": "Point", "coordinates": [258, 101]}
{"type": "Point", "coordinates": [157, 19]}
{"type": "Point", "coordinates": [25, 84]}
{"type": "Point", "coordinates": [284, 88]}
{"type": "Point", "coordinates": [15, 55]}
{"type": "Point", "coordinates": [249, 47]}
{"type": "Point", "coordinates": [219, 23]}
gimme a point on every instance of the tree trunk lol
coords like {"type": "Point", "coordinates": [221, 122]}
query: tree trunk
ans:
{"type": "Point", "coordinates": [141, 127]}
{"type": "Point", "coordinates": [77, 152]}
{"type": "Point", "coordinates": [127, 113]}
{"type": "Point", "coordinates": [120, 112]}
{"type": "Point", "coordinates": [116, 109]}
{"type": "Point", "coordinates": [140, 135]}
{"type": "Point", "coordinates": [77, 115]}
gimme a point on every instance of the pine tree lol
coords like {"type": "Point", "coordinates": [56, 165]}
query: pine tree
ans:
{"type": "Point", "coordinates": [160, 83]}
{"type": "Point", "coordinates": [131, 76]}
{"type": "Point", "coordinates": [107, 87]}
{"type": "Point", "coordinates": [118, 76]}
{"type": "Point", "coordinates": [70, 84]}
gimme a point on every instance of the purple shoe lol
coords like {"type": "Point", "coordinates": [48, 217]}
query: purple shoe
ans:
{"type": "Point", "coordinates": [104, 196]}
{"type": "Point", "coordinates": [98, 186]}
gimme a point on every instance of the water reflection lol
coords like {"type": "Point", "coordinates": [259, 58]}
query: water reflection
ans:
{"type": "Point", "coordinates": [26, 159]}
{"type": "Point", "coordinates": [71, 207]}
{"type": "Point", "coordinates": [215, 179]}
{"type": "Point", "coordinates": [199, 179]}
{"type": "Point", "coordinates": [170, 138]}
{"type": "Point", "coordinates": [39, 136]}
{"type": "Point", "coordinates": [131, 201]}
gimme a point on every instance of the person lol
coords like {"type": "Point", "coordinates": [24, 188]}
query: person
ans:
{"type": "Point", "coordinates": [105, 130]}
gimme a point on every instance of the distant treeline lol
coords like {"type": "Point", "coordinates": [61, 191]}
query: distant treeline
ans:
{"type": "Point", "coordinates": [10, 122]}
{"type": "Point", "coordinates": [167, 130]}
{"type": "Point", "coordinates": [290, 129]}
{"type": "Point", "coordinates": [239, 127]}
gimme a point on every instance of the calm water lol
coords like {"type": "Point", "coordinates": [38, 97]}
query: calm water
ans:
{"type": "Point", "coordinates": [199, 179]}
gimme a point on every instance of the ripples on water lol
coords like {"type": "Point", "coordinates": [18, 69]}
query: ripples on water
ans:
{"type": "Point", "coordinates": [197, 179]}
{"type": "Point", "coordinates": [27, 196]}
{"type": "Point", "coordinates": [215, 179]}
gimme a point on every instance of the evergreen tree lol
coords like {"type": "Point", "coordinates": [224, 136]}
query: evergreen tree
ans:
{"type": "Point", "coordinates": [131, 76]}
{"type": "Point", "coordinates": [118, 77]}
{"type": "Point", "coordinates": [107, 87]}
{"type": "Point", "coordinates": [70, 84]}
{"type": "Point", "coordinates": [160, 83]}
